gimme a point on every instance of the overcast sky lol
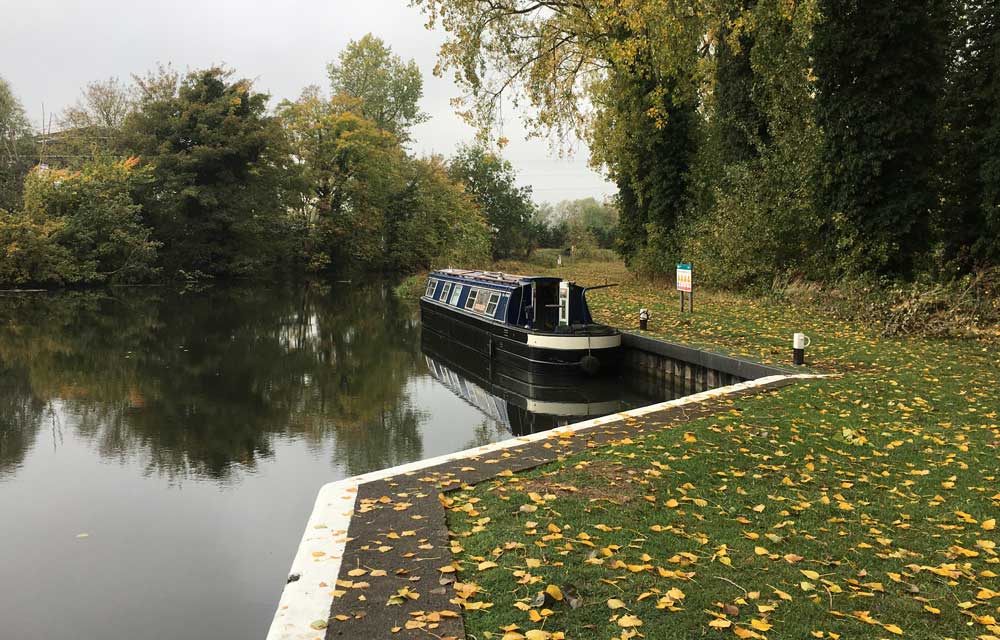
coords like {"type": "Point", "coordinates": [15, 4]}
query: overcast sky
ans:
{"type": "Point", "coordinates": [50, 49]}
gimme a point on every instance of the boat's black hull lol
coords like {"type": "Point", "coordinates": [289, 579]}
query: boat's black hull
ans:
{"type": "Point", "coordinates": [508, 347]}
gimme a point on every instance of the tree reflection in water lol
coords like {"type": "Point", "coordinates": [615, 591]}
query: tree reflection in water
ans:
{"type": "Point", "coordinates": [203, 383]}
{"type": "Point", "coordinates": [21, 414]}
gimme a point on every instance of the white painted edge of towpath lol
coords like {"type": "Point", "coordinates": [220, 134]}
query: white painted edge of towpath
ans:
{"type": "Point", "coordinates": [317, 561]}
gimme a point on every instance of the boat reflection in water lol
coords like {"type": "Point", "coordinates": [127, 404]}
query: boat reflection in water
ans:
{"type": "Point", "coordinates": [525, 408]}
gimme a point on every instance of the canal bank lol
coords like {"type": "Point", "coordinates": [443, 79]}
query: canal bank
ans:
{"type": "Point", "coordinates": [858, 505]}
{"type": "Point", "coordinates": [374, 559]}
{"type": "Point", "coordinates": [879, 481]}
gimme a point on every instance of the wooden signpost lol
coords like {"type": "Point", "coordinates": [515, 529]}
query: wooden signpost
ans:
{"type": "Point", "coordinates": [684, 284]}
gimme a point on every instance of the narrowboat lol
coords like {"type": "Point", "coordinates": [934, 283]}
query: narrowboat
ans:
{"type": "Point", "coordinates": [539, 327]}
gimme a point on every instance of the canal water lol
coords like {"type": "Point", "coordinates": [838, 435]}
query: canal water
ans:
{"type": "Point", "coordinates": [160, 451]}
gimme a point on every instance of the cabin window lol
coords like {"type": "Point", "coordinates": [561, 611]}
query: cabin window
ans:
{"type": "Point", "coordinates": [481, 301]}
{"type": "Point", "coordinates": [431, 285]}
{"type": "Point", "coordinates": [471, 300]}
{"type": "Point", "coordinates": [445, 291]}
{"type": "Point", "coordinates": [492, 306]}
{"type": "Point", "coordinates": [456, 293]}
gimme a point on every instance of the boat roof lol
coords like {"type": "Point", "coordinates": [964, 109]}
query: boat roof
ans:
{"type": "Point", "coordinates": [495, 277]}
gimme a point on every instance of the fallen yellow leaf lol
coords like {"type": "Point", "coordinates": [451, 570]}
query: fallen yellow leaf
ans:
{"type": "Point", "coordinates": [629, 621]}
{"type": "Point", "coordinates": [760, 625]}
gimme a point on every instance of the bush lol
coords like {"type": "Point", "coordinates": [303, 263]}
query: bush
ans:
{"type": "Point", "coordinates": [29, 251]}
{"type": "Point", "coordinates": [79, 227]}
{"type": "Point", "coordinates": [966, 307]}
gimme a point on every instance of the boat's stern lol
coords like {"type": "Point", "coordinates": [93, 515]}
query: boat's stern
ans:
{"type": "Point", "coordinates": [589, 349]}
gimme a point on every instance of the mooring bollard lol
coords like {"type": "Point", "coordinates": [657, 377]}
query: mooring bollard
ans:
{"type": "Point", "coordinates": [643, 319]}
{"type": "Point", "coordinates": [799, 343]}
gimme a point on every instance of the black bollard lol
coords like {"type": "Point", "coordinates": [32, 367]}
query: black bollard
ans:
{"type": "Point", "coordinates": [799, 356]}
{"type": "Point", "coordinates": [799, 343]}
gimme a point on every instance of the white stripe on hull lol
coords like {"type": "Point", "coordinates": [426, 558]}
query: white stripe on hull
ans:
{"type": "Point", "coordinates": [571, 408]}
{"type": "Point", "coordinates": [574, 342]}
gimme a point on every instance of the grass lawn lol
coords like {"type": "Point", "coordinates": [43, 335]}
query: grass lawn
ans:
{"type": "Point", "coordinates": [857, 506]}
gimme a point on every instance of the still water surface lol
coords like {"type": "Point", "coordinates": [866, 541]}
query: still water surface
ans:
{"type": "Point", "coordinates": [160, 451]}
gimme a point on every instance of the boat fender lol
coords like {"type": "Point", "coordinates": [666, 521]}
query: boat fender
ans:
{"type": "Point", "coordinates": [590, 364]}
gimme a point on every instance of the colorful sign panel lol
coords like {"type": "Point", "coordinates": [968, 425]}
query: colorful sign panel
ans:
{"type": "Point", "coordinates": [684, 277]}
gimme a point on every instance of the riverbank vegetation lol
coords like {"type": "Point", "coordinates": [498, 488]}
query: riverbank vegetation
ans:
{"type": "Point", "coordinates": [192, 176]}
{"type": "Point", "coordinates": [858, 505]}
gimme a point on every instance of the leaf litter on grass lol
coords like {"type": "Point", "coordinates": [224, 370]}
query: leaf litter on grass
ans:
{"type": "Point", "coordinates": [863, 505]}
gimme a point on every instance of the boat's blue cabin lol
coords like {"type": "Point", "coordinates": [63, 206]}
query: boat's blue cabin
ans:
{"type": "Point", "coordinates": [531, 302]}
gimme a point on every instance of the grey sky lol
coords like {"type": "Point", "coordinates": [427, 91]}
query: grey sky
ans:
{"type": "Point", "coordinates": [49, 50]}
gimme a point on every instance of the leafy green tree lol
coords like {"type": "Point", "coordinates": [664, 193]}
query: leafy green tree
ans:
{"type": "Point", "coordinates": [597, 219]}
{"type": "Point", "coordinates": [387, 88]}
{"type": "Point", "coordinates": [507, 207]}
{"type": "Point", "coordinates": [741, 124]}
{"type": "Point", "coordinates": [366, 204]}
{"type": "Point", "coordinates": [970, 168]}
{"type": "Point", "coordinates": [880, 67]}
{"type": "Point", "coordinates": [16, 147]}
{"type": "Point", "coordinates": [554, 56]}
{"type": "Point", "coordinates": [80, 227]}
{"type": "Point", "coordinates": [647, 138]}
{"type": "Point", "coordinates": [551, 228]}
{"type": "Point", "coordinates": [433, 221]}
{"type": "Point", "coordinates": [622, 77]}
{"type": "Point", "coordinates": [30, 252]}
{"type": "Point", "coordinates": [600, 219]}
{"type": "Point", "coordinates": [218, 160]}
{"type": "Point", "coordinates": [350, 170]}
{"type": "Point", "coordinates": [752, 215]}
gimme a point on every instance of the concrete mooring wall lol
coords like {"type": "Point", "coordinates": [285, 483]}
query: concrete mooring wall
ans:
{"type": "Point", "coordinates": [686, 370]}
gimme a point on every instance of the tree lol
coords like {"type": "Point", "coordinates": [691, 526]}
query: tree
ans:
{"type": "Point", "coordinates": [94, 126]}
{"type": "Point", "coordinates": [79, 227]}
{"type": "Point", "coordinates": [387, 88]}
{"type": "Point", "coordinates": [551, 228]}
{"type": "Point", "coordinates": [598, 220]}
{"type": "Point", "coordinates": [879, 67]}
{"type": "Point", "coordinates": [508, 208]}
{"type": "Point", "coordinates": [366, 204]}
{"type": "Point", "coordinates": [350, 170]}
{"type": "Point", "coordinates": [217, 162]}
{"type": "Point", "coordinates": [742, 128]}
{"type": "Point", "coordinates": [646, 136]}
{"type": "Point", "coordinates": [623, 77]}
{"type": "Point", "coordinates": [752, 214]}
{"type": "Point", "coordinates": [30, 252]}
{"type": "Point", "coordinates": [971, 164]}
{"type": "Point", "coordinates": [434, 221]}
{"type": "Point", "coordinates": [16, 147]}
{"type": "Point", "coordinates": [553, 55]}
